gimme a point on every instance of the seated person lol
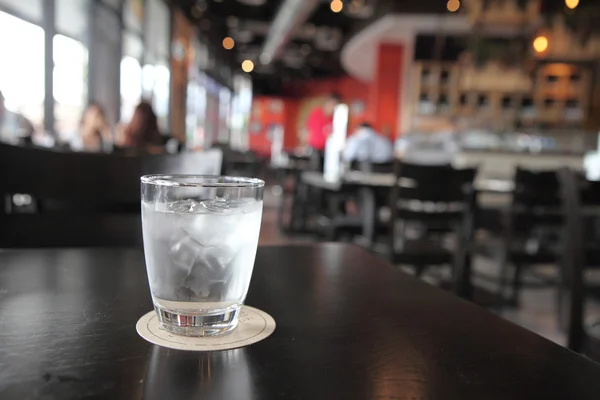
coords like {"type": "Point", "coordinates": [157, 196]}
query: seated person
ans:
{"type": "Point", "coordinates": [94, 133]}
{"type": "Point", "coordinates": [14, 128]}
{"type": "Point", "coordinates": [142, 134]}
{"type": "Point", "coordinates": [366, 145]}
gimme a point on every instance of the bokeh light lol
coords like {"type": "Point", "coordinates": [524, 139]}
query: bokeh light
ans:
{"type": "Point", "coordinates": [228, 43]}
{"type": "Point", "coordinates": [247, 66]}
{"type": "Point", "coordinates": [571, 3]}
{"type": "Point", "coordinates": [540, 44]}
{"type": "Point", "coordinates": [336, 6]}
{"type": "Point", "coordinates": [453, 5]}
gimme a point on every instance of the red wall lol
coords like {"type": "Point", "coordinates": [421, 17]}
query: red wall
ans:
{"type": "Point", "coordinates": [385, 91]}
{"type": "Point", "coordinates": [266, 111]}
{"type": "Point", "coordinates": [376, 102]}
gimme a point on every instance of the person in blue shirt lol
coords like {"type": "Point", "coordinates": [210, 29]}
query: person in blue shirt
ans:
{"type": "Point", "coordinates": [366, 145]}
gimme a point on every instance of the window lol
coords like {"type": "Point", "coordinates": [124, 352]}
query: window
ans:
{"type": "Point", "coordinates": [156, 73]}
{"type": "Point", "coordinates": [224, 111]}
{"type": "Point", "coordinates": [22, 67]}
{"type": "Point", "coordinates": [241, 105]}
{"type": "Point", "coordinates": [131, 87]}
{"type": "Point", "coordinates": [131, 75]}
{"type": "Point", "coordinates": [30, 9]}
{"type": "Point", "coordinates": [70, 84]}
{"type": "Point", "coordinates": [155, 84]}
{"type": "Point", "coordinates": [72, 18]}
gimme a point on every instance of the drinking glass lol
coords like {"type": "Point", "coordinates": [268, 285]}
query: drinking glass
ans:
{"type": "Point", "coordinates": [200, 240]}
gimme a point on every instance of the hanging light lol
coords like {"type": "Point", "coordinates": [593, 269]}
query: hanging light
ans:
{"type": "Point", "coordinates": [571, 4]}
{"type": "Point", "coordinates": [247, 66]}
{"type": "Point", "coordinates": [228, 43]}
{"type": "Point", "coordinates": [336, 6]}
{"type": "Point", "coordinates": [540, 44]}
{"type": "Point", "coordinates": [453, 5]}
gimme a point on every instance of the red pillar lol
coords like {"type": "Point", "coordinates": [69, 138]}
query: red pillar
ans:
{"type": "Point", "coordinates": [385, 91]}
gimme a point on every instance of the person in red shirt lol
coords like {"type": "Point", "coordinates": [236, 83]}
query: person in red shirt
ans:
{"type": "Point", "coordinates": [320, 123]}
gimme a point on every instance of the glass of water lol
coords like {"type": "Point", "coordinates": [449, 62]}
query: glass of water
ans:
{"type": "Point", "coordinates": [200, 240]}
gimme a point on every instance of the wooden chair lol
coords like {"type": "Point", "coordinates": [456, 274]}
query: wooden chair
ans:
{"type": "Point", "coordinates": [532, 228]}
{"type": "Point", "coordinates": [581, 251]}
{"type": "Point", "coordinates": [440, 200]}
{"type": "Point", "coordinates": [82, 199]}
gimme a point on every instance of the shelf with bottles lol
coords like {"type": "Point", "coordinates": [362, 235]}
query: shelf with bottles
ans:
{"type": "Point", "coordinates": [433, 74]}
{"type": "Point", "coordinates": [561, 83]}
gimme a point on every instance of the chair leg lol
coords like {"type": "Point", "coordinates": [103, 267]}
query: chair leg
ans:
{"type": "Point", "coordinates": [562, 306]}
{"type": "Point", "coordinates": [516, 285]}
{"type": "Point", "coordinates": [503, 268]}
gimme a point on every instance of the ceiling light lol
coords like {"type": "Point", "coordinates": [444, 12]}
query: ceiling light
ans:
{"type": "Point", "coordinates": [247, 66]}
{"type": "Point", "coordinates": [453, 5]}
{"type": "Point", "coordinates": [540, 44]}
{"type": "Point", "coordinates": [336, 6]}
{"type": "Point", "coordinates": [571, 3]}
{"type": "Point", "coordinates": [228, 43]}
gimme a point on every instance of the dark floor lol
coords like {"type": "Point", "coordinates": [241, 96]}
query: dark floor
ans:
{"type": "Point", "coordinates": [536, 310]}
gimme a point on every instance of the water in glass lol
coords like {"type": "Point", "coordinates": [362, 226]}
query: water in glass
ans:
{"type": "Point", "coordinates": [199, 257]}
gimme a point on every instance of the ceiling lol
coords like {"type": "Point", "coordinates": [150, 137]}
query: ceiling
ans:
{"type": "Point", "coordinates": [314, 48]}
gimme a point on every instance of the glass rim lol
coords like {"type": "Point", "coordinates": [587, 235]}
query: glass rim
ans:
{"type": "Point", "coordinates": [169, 180]}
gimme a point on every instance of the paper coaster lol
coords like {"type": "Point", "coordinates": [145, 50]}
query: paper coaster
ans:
{"type": "Point", "coordinates": [254, 325]}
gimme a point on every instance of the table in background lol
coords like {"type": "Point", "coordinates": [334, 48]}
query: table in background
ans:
{"type": "Point", "coordinates": [349, 326]}
{"type": "Point", "coordinates": [366, 185]}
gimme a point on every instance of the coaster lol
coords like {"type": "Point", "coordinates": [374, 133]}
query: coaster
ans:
{"type": "Point", "coordinates": [254, 325]}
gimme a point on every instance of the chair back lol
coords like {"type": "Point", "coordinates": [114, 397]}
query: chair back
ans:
{"type": "Point", "coordinates": [580, 249]}
{"type": "Point", "coordinates": [366, 166]}
{"type": "Point", "coordinates": [432, 183]}
{"type": "Point", "coordinates": [83, 199]}
{"type": "Point", "coordinates": [536, 188]}
{"type": "Point", "coordinates": [436, 195]}
{"type": "Point", "coordinates": [439, 198]}
{"type": "Point", "coordinates": [536, 202]}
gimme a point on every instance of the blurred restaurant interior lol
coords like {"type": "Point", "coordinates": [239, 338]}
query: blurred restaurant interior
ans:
{"type": "Point", "coordinates": [455, 139]}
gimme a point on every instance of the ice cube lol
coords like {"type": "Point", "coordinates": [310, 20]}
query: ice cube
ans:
{"type": "Point", "coordinates": [184, 250]}
{"type": "Point", "coordinates": [183, 206]}
{"type": "Point", "coordinates": [217, 205]}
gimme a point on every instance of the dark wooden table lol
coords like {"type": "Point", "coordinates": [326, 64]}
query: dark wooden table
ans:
{"type": "Point", "coordinates": [349, 326]}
